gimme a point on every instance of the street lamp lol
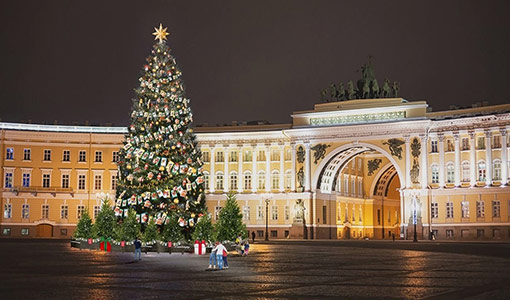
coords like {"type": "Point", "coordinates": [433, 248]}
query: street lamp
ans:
{"type": "Point", "coordinates": [415, 220]}
{"type": "Point", "coordinates": [267, 200]}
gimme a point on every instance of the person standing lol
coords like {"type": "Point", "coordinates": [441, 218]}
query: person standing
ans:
{"type": "Point", "coordinates": [219, 254]}
{"type": "Point", "coordinates": [213, 262]}
{"type": "Point", "coordinates": [138, 249]}
{"type": "Point", "coordinates": [246, 248]}
{"type": "Point", "coordinates": [253, 236]}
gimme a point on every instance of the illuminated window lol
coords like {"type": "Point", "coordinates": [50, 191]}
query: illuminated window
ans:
{"type": "Point", "coordinates": [219, 180]}
{"type": "Point", "coordinates": [45, 211]}
{"type": "Point", "coordinates": [465, 209]}
{"type": "Point", "coordinates": [480, 209]}
{"type": "Point", "coordinates": [65, 181]}
{"type": "Point", "coordinates": [26, 154]}
{"type": "Point", "coordinates": [79, 211]}
{"type": "Point", "coordinates": [9, 155]}
{"type": "Point", "coordinates": [247, 180]}
{"type": "Point", "coordinates": [233, 180]}
{"type": "Point", "coordinates": [275, 179]}
{"type": "Point", "coordinates": [25, 211]}
{"type": "Point", "coordinates": [64, 212]}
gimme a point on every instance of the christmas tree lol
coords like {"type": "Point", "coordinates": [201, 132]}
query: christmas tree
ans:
{"type": "Point", "coordinates": [160, 171]}
{"type": "Point", "coordinates": [84, 226]}
{"type": "Point", "coordinates": [230, 221]}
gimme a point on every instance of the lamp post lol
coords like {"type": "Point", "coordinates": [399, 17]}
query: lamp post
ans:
{"type": "Point", "coordinates": [267, 200]}
{"type": "Point", "coordinates": [415, 220]}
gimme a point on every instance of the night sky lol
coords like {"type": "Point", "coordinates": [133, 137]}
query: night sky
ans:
{"type": "Point", "coordinates": [77, 61]}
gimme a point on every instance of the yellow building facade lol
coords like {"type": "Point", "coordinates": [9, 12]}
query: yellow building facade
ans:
{"type": "Point", "coordinates": [370, 168]}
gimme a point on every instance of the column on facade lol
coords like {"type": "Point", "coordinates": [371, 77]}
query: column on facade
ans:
{"type": "Point", "coordinates": [254, 175]}
{"type": "Point", "coordinates": [488, 158]}
{"type": "Point", "coordinates": [307, 167]}
{"type": "Point", "coordinates": [240, 170]}
{"type": "Point", "coordinates": [456, 138]}
{"type": "Point", "coordinates": [268, 168]}
{"type": "Point", "coordinates": [472, 158]}
{"type": "Point", "coordinates": [504, 157]}
{"type": "Point", "coordinates": [212, 176]}
{"type": "Point", "coordinates": [282, 168]}
{"type": "Point", "coordinates": [293, 167]}
{"type": "Point", "coordinates": [440, 138]}
{"type": "Point", "coordinates": [226, 177]}
{"type": "Point", "coordinates": [424, 162]}
{"type": "Point", "coordinates": [408, 161]}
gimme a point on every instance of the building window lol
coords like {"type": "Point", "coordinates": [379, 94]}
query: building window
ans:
{"type": "Point", "coordinates": [115, 156]}
{"type": "Point", "coordinates": [98, 180]}
{"type": "Point", "coordinates": [465, 143]}
{"type": "Point", "coordinates": [206, 157]}
{"type": "Point", "coordinates": [81, 182]}
{"type": "Point", "coordinates": [465, 209]}
{"type": "Point", "coordinates": [324, 214]}
{"type": "Point", "coordinates": [247, 155]}
{"type": "Point", "coordinates": [261, 155]}
{"type": "Point", "coordinates": [8, 179]}
{"type": "Point", "coordinates": [233, 180]}
{"type": "Point", "coordinates": [247, 180]}
{"type": "Point", "coordinates": [98, 156]}
{"type": "Point", "coordinates": [7, 210]}
{"type": "Point", "coordinates": [65, 181]}
{"type": "Point", "coordinates": [9, 153]}
{"type": "Point", "coordinates": [260, 212]}
{"type": "Point", "coordinates": [449, 233]}
{"type": "Point", "coordinates": [217, 210]}
{"type": "Point", "coordinates": [206, 180]}
{"type": "Point", "coordinates": [450, 172]}
{"type": "Point", "coordinates": [25, 211]}
{"type": "Point", "coordinates": [46, 180]}
{"type": "Point", "coordinates": [466, 170]}
{"type": "Point", "coordinates": [24, 231]}
{"type": "Point", "coordinates": [434, 170]}
{"type": "Point", "coordinates": [64, 212]}
{"type": "Point", "coordinates": [275, 180]}
{"type": "Point", "coordinates": [433, 146]}
{"type": "Point", "coordinates": [66, 155]}
{"type": "Point", "coordinates": [246, 213]}
{"type": "Point", "coordinates": [233, 156]}
{"type": "Point", "coordinates": [434, 210]}
{"type": "Point", "coordinates": [6, 231]}
{"type": "Point", "coordinates": [288, 154]}
{"type": "Point", "coordinates": [45, 211]}
{"type": "Point", "coordinates": [79, 211]}
{"type": "Point", "coordinates": [481, 143]}
{"type": "Point", "coordinates": [97, 208]}
{"type": "Point", "coordinates": [287, 213]}
{"type": "Point", "coordinates": [26, 180]}
{"type": "Point", "coordinates": [275, 155]}
{"type": "Point", "coordinates": [26, 154]}
{"type": "Point", "coordinates": [47, 155]}
{"type": "Point", "coordinates": [449, 146]}
{"type": "Point", "coordinates": [274, 233]}
{"type": "Point", "coordinates": [260, 233]}
{"type": "Point", "coordinates": [219, 156]}
{"type": "Point", "coordinates": [481, 170]}
{"type": "Point", "coordinates": [449, 210]}
{"type": "Point", "coordinates": [480, 209]}
{"type": "Point", "coordinates": [82, 156]}
{"type": "Point", "coordinates": [496, 209]}
{"type": "Point", "coordinates": [63, 231]}
{"type": "Point", "coordinates": [274, 212]}
{"type": "Point", "coordinates": [262, 180]}
{"type": "Point", "coordinates": [480, 233]}
{"type": "Point", "coordinates": [496, 141]}
{"type": "Point", "coordinates": [219, 181]}
{"type": "Point", "coordinates": [288, 179]}
{"type": "Point", "coordinates": [114, 181]}
{"type": "Point", "coordinates": [496, 170]}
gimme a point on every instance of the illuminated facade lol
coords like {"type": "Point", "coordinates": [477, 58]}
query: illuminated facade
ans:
{"type": "Point", "coordinates": [352, 169]}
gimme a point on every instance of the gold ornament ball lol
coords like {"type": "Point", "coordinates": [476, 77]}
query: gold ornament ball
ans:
{"type": "Point", "coordinates": [176, 201]}
{"type": "Point", "coordinates": [192, 215]}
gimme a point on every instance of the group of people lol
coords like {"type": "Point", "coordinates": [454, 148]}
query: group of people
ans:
{"type": "Point", "coordinates": [243, 246]}
{"type": "Point", "coordinates": [218, 258]}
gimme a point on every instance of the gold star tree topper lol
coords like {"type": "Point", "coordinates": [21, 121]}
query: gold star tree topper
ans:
{"type": "Point", "coordinates": [160, 33]}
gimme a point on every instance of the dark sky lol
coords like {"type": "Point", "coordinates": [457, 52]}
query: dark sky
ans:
{"type": "Point", "coordinates": [245, 60]}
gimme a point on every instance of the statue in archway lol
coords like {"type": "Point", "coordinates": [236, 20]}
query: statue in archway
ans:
{"type": "Point", "coordinates": [299, 210]}
{"type": "Point", "coordinates": [301, 178]}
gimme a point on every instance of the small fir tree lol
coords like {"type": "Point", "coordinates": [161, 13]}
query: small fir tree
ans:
{"type": "Point", "coordinates": [204, 230]}
{"type": "Point", "coordinates": [84, 227]}
{"type": "Point", "coordinates": [129, 228]}
{"type": "Point", "coordinates": [172, 232]}
{"type": "Point", "coordinates": [151, 232]}
{"type": "Point", "coordinates": [230, 221]}
{"type": "Point", "coordinates": [105, 221]}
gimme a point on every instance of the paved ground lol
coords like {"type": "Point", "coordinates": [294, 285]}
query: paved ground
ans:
{"type": "Point", "coordinates": [50, 269]}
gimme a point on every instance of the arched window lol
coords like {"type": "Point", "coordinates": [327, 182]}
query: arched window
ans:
{"type": "Point", "coordinates": [450, 172]}
{"type": "Point", "coordinates": [466, 171]}
{"type": "Point", "coordinates": [288, 179]}
{"type": "Point", "coordinates": [206, 180]}
{"type": "Point", "coordinates": [219, 180]}
{"type": "Point", "coordinates": [233, 180]}
{"type": "Point", "coordinates": [261, 180]}
{"type": "Point", "coordinates": [434, 171]}
{"type": "Point", "coordinates": [247, 180]}
{"type": "Point", "coordinates": [481, 170]}
{"type": "Point", "coordinates": [275, 180]}
{"type": "Point", "coordinates": [496, 167]}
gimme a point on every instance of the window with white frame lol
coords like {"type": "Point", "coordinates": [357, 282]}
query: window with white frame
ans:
{"type": "Point", "coordinates": [219, 156]}
{"type": "Point", "coordinates": [79, 211]}
{"type": "Point", "coordinates": [481, 170]}
{"type": "Point", "coordinates": [98, 157]}
{"type": "Point", "coordinates": [206, 156]}
{"type": "Point", "coordinates": [98, 182]}
{"type": "Point", "coordinates": [496, 209]}
{"type": "Point", "coordinates": [9, 153]}
{"type": "Point", "coordinates": [7, 210]}
{"type": "Point", "coordinates": [64, 212]}
{"type": "Point", "coordinates": [275, 155]}
{"type": "Point", "coordinates": [97, 209]}
{"type": "Point", "coordinates": [496, 141]}
{"type": "Point", "coordinates": [287, 212]}
{"type": "Point", "coordinates": [217, 210]}
{"type": "Point", "coordinates": [206, 180]}
{"type": "Point", "coordinates": [466, 171]}
{"type": "Point", "coordinates": [449, 209]}
{"type": "Point", "coordinates": [288, 154]}
{"type": "Point", "coordinates": [450, 172]}
{"type": "Point", "coordinates": [480, 143]}
{"type": "Point", "coordinates": [434, 210]}
{"type": "Point", "coordinates": [247, 155]}
{"type": "Point", "coordinates": [81, 181]}
{"type": "Point", "coordinates": [480, 209]}
{"type": "Point", "coordinates": [219, 180]}
{"type": "Point", "coordinates": [26, 180]}
{"type": "Point", "coordinates": [465, 143]}
{"type": "Point", "coordinates": [27, 155]}
{"type": "Point", "coordinates": [45, 213]}
{"type": "Point", "coordinates": [9, 175]}
{"type": "Point", "coordinates": [66, 155]}
{"type": "Point", "coordinates": [496, 169]}
{"type": "Point", "coordinates": [25, 211]}
{"type": "Point", "coordinates": [114, 180]}
{"type": "Point", "coordinates": [115, 156]}
{"type": "Point", "coordinates": [274, 212]}
{"type": "Point", "coordinates": [261, 180]}
{"type": "Point", "coordinates": [261, 156]}
{"type": "Point", "coordinates": [47, 155]}
{"type": "Point", "coordinates": [82, 156]}
{"type": "Point", "coordinates": [260, 212]}
{"type": "Point", "coordinates": [433, 146]}
{"type": "Point", "coordinates": [434, 171]}
{"type": "Point", "coordinates": [247, 180]}
{"type": "Point", "coordinates": [449, 145]}
{"type": "Point", "coordinates": [233, 180]}
{"type": "Point", "coordinates": [46, 179]}
{"type": "Point", "coordinates": [288, 179]}
{"type": "Point", "coordinates": [233, 156]}
{"type": "Point", "coordinates": [65, 181]}
{"type": "Point", "coordinates": [275, 179]}
{"type": "Point", "coordinates": [465, 209]}
{"type": "Point", "coordinates": [246, 213]}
